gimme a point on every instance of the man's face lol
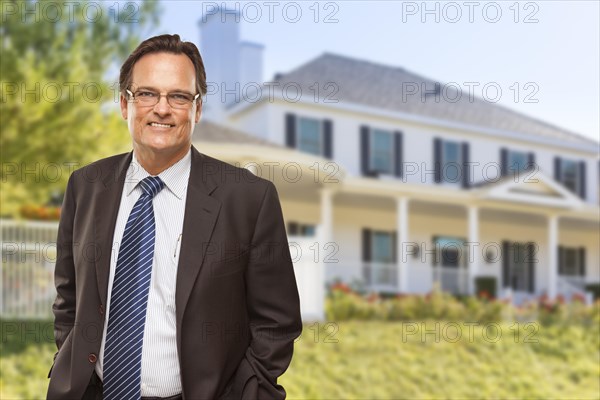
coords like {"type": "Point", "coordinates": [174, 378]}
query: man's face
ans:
{"type": "Point", "coordinates": [162, 73]}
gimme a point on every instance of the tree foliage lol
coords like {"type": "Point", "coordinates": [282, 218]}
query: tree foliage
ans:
{"type": "Point", "coordinates": [59, 90]}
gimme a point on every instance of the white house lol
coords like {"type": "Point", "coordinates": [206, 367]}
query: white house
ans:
{"type": "Point", "coordinates": [389, 180]}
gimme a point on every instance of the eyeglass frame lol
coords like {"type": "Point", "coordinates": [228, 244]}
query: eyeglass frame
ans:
{"type": "Point", "coordinates": [132, 97]}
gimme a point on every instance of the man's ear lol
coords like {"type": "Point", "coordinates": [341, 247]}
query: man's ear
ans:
{"type": "Point", "coordinates": [123, 103]}
{"type": "Point", "coordinates": [198, 110]}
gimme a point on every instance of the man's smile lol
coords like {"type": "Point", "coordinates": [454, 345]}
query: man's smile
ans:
{"type": "Point", "coordinates": [159, 125]}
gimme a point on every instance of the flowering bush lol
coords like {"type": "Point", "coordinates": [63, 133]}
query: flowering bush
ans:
{"type": "Point", "coordinates": [344, 303]}
{"type": "Point", "coordinates": [37, 212]}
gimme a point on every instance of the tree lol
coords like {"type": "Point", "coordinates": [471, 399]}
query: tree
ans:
{"type": "Point", "coordinates": [59, 90]}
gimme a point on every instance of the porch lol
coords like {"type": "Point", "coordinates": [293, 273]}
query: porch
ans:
{"type": "Point", "coordinates": [528, 245]}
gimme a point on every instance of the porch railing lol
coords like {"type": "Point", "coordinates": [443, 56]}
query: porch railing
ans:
{"type": "Point", "coordinates": [453, 280]}
{"type": "Point", "coordinates": [569, 286]}
{"type": "Point", "coordinates": [381, 277]}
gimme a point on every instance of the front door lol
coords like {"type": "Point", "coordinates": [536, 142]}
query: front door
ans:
{"type": "Point", "coordinates": [518, 266]}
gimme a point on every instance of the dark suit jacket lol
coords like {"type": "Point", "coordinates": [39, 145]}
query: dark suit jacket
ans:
{"type": "Point", "coordinates": [237, 306]}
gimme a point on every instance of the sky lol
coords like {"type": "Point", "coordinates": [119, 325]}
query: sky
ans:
{"type": "Point", "coordinates": [544, 56]}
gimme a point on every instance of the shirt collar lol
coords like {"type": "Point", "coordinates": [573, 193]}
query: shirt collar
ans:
{"type": "Point", "coordinates": [175, 177]}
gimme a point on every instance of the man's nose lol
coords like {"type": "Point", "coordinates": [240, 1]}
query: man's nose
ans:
{"type": "Point", "coordinates": [162, 107]}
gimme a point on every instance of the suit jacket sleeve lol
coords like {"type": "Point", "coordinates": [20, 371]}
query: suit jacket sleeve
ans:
{"type": "Point", "coordinates": [273, 301]}
{"type": "Point", "coordinates": [64, 273]}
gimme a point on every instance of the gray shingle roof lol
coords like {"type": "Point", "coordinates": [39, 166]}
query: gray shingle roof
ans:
{"type": "Point", "coordinates": [375, 85]}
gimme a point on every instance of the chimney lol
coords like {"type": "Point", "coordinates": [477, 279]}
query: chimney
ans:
{"type": "Point", "coordinates": [231, 65]}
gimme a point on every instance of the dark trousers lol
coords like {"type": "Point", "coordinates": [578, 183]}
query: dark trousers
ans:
{"type": "Point", "coordinates": [94, 391]}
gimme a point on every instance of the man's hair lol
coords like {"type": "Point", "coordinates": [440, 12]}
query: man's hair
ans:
{"type": "Point", "coordinates": [164, 44]}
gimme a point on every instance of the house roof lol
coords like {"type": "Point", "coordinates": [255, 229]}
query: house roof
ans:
{"type": "Point", "coordinates": [380, 86]}
{"type": "Point", "coordinates": [207, 131]}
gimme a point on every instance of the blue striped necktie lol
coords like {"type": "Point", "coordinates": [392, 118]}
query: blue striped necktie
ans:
{"type": "Point", "coordinates": [129, 296]}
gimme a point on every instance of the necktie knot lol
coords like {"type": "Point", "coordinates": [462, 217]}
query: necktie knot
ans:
{"type": "Point", "coordinates": [152, 185]}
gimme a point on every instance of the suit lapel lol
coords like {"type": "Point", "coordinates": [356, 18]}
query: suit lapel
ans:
{"type": "Point", "coordinates": [201, 212]}
{"type": "Point", "coordinates": [105, 219]}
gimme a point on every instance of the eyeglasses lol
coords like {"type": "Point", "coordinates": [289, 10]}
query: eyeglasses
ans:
{"type": "Point", "coordinates": [148, 98]}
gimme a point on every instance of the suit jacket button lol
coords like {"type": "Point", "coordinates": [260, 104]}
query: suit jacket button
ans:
{"type": "Point", "coordinates": [92, 358]}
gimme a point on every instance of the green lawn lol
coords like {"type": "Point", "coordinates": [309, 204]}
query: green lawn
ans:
{"type": "Point", "coordinates": [388, 360]}
{"type": "Point", "coordinates": [379, 360]}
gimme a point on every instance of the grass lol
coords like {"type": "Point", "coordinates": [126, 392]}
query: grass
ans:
{"type": "Point", "coordinates": [386, 360]}
{"type": "Point", "coordinates": [379, 360]}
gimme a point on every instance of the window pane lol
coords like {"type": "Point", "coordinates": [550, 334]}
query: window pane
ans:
{"type": "Point", "coordinates": [382, 247]}
{"type": "Point", "coordinates": [381, 152]}
{"type": "Point", "coordinates": [308, 230]}
{"type": "Point", "coordinates": [571, 265]}
{"type": "Point", "coordinates": [570, 174]}
{"type": "Point", "coordinates": [451, 168]}
{"type": "Point", "coordinates": [449, 251]}
{"type": "Point", "coordinates": [309, 135]}
{"type": "Point", "coordinates": [517, 160]}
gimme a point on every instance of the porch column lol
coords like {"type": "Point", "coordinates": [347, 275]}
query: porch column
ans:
{"type": "Point", "coordinates": [324, 236]}
{"type": "Point", "coordinates": [402, 241]}
{"type": "Point", "coordinates": [552, 258]}
{"type": "Point", "coordinates": [473, 257]}
{"type": "Point", "coordinates": [326, 216]}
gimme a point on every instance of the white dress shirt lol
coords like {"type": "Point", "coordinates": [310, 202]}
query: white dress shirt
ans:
{"type": "Point", "coordinates": [160, 365]}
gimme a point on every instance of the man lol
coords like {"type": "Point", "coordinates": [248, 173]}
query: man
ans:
{"type": "Point", "coordinates": [199, 299]}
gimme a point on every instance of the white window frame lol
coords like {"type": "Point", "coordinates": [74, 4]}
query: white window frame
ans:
{"type": "Point", "coordinates": [372, 148]}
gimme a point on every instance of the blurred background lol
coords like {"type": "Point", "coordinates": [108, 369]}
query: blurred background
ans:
{"type": "Point", "coordinates": [437, 165]}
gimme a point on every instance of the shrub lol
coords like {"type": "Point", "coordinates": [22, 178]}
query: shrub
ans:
{"type": "Point", "coordinates": [345, 304]}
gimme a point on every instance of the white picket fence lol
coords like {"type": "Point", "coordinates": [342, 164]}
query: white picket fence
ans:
{"type": "Point", "coordinates": [27, 274]}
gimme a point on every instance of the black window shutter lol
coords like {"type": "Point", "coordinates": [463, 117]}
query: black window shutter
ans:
{"type": "Point", "coordinates": [503, 161]}
{"type": "Point", "coordinates": [366, 245]}
{"type": "Point", "coordinates": [290, 130]}
{"type": "Point", "coordinates": [437, 159]}
{"type": "Point", "coordinates": [560, 261]}
{"type": "Point", "coordinates": [292, 228]}
{"type": "Point", "coordinates": [328, 138]}
{"type": "Point", "coordinates": [531, 160]}
{"type": "Point", "coordinates": [505, 263]}
{"type": "Point", "coordinates": [466, 179]}
{"type": "Point", "coordinates": [557, 167]}
{"type": "Point", "coordinates": [398, 152]}
{"type": "Point", "coordinates": [582, 261]}
{"type": "Point", "coordinates": [364, 150]}
{"type": "Point", "coordinates": [531, 266]}
{"type": "Point", "coordinates": [582, 189]}
{"type": "Point", "coordinates": [394, 247]}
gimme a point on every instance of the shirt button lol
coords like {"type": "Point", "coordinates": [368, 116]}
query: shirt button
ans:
{"type": "Point", "coordinates": [92, 358]}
